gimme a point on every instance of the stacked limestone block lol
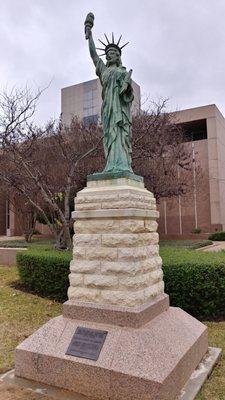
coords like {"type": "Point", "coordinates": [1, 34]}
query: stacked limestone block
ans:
{"type": "Point", "coordinates": [116, 254]}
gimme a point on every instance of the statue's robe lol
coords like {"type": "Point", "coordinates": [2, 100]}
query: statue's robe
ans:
{"type": "Point", "coordinates": [116, 117]}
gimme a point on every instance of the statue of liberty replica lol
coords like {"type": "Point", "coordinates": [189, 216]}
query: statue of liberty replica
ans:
{"type": "Point", "coordinates": [117, 96]}
{"type": "Point", "coordinates": [118, 337]}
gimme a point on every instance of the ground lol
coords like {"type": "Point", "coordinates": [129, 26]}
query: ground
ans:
{"type": "Point", "coordinates": [186, 243]}
{"type": "Point", "coordinates": [22, 313]}
{"type": "Point", "coordinates": [10, 392]}
{"type": "Point", "coordinates": [19, 241]}
{"type": "Point", "coordinates": [214, 388]}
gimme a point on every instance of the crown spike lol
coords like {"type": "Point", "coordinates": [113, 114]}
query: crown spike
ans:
{"type": "Point", "coordinates": [101, 55]}
{"type": "Point", "coordinates": [106, 38]}
{"type": "Point", "coordinates": [99, 48]}
{"type": "Point", "coordinates": [112, 37]}
{"type": "Point", "coordinates": [119, 40]}
{"type": "Point", "coordinates": [123, 46]}
{"type": "Point", "coordinates": [102, 43]}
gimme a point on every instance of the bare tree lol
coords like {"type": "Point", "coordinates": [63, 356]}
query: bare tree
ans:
{"type": "Point", "coordinates": [47, 166]}
{"type": "Point", "coordinates": [42, 164]}
{"type": "Point", "coordinates": [159, 150]}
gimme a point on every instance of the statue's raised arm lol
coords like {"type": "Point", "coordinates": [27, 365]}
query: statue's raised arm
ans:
{"type": "Point", "coordinates": [89, 23]}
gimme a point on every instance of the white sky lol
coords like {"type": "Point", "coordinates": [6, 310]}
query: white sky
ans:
{"type": "Point", "coordinates": [177, 47]}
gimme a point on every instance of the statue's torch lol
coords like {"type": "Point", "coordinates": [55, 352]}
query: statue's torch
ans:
{"type": "Point", "coordinates": [88, 24]}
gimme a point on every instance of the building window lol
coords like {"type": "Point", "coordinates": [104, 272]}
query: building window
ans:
{"type": "Point", "coordinates": [90, 100]}
{"type": "Point", "coordinates": [90, 119]}
{"type": "Point", "coordinates": [194, 130]}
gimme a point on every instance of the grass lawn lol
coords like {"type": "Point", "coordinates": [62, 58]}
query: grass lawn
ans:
{"type": "Point", "coordinates": [214, 387]}
{"type": "Point", "coordinates": [20, 315]}
{"type": "Point", "coordinates": [36, 242]}
{"type": "Point", "coordinates": [177, 255]}
{"type": "Point", "coordinates": [47, 243]}
{"type": "Point", "coordinates": [186, 243]}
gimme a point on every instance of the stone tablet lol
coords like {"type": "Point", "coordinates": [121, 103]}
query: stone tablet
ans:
{"type": "Point", "coordinates": [87, 343]}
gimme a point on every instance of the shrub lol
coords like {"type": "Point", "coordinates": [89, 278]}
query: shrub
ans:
{"type": "Point", "coordinates": [45, 272]}
{"type": "Point", "coordinates": [202, 243]}
{"type": "Point", "coordinates": [196, 230]}
{"type": "Point", "coordinates": [36, 232]}
{"type": "Point", "coordinates": [220, 236]}
{"type": "Point", "coordinates": [195, 282]}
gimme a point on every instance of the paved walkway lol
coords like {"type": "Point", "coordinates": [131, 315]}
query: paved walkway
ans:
{"type": "Point", "coordinates": [216, 246]}
{"type": "Point", "coordinates": [10, 238]}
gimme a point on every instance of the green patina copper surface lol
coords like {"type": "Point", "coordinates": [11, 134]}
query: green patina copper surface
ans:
{"type": "Point", "coordinates": [117, 97]}
{"type": "Point", "coordinates": [114, 175]}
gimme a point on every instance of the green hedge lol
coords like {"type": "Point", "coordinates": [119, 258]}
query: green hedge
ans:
{"type": "Point", "coordinates": [45, 272]}
{"type": "Point", "coordinates": [195, 281]}
{"type": "Point", "coordinates": [217, 236]}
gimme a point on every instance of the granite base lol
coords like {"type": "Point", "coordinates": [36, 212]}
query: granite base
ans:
{"type": "Point", "coordinates": [152, 362]}
{"type": "Point", "coordinates": [122, 316]}
{"type": "Point", "coordinates": [188, 392]}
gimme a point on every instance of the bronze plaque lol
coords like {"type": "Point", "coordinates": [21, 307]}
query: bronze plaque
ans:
{"type": "Point", "coordinates": [87, 343]}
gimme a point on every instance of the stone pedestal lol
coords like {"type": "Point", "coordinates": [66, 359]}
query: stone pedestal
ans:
{"type": "Point", "coordinates": [116, 253]}
{"type": "Point", "coordinates": [116, 285]}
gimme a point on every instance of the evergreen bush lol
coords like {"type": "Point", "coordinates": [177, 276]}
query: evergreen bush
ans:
{"type": "Point", "coordinates": [45, 272]}
{"type": "Point", "coordinates": [194, 281]}
{"type": "Point", "coordinates": [220, 236]}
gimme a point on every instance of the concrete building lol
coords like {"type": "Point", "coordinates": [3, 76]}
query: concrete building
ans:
{"type": "Point", "coordinates": [204, 207]}
{"type": "Point", "coordinates": [9, 222]}
{"type": "Point", "coordinates": [84, 101]}
{"type": "Point", "coordinates": [11, 217]}
{"type": "Point", "coordinates": [3, 215]}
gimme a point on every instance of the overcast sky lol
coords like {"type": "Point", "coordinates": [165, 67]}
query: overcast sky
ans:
{"type": "Point", "coordinates": [176, 50]}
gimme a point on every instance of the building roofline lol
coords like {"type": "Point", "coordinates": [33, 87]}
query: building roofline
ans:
{"type": "Point", "coordinates": [195, 108]}
{"type": "Point", "coordinates": [197, 113]}
{"type": "Point", "coordinates": [79, 84]}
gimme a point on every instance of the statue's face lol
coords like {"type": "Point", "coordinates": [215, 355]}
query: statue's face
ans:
{"type": "Point", "coordinates": [112, 56]}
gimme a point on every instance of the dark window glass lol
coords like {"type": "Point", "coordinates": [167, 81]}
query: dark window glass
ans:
{"type": "Point", "coordinates": [194, 130]}
{"type": "Point", "coordinates": [91, 119]}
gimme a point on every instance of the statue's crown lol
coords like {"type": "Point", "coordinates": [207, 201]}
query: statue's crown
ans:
{"type": "Point", "coordinates": [111, 45]}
